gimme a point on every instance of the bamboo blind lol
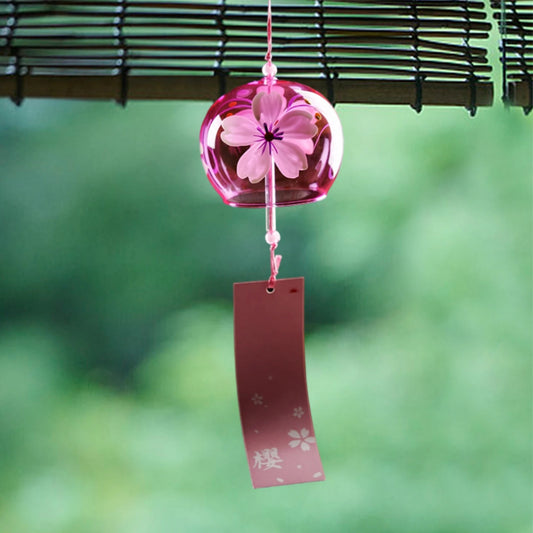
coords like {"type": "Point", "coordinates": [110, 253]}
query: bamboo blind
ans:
{"type": "Point", "coordinates": [515, 22]}
{"type": "Point", "coordinates": [424, 52]}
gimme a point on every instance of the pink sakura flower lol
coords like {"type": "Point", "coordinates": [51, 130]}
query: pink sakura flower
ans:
{"type": "Point", "coordinates": [272, 131]}
{"type": "Point", "coordinates": [301, 438]}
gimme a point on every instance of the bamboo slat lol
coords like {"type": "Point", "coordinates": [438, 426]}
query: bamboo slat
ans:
{"type": "Point", "coordinates": [515, 23]}
{"type": "Point", "coordinates": [428, 52]}
{"type": "Point", "coordinates": [449, 93]}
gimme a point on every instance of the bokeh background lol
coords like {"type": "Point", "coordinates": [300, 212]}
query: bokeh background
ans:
{"type": "Point", "coordinates": [118, 408]}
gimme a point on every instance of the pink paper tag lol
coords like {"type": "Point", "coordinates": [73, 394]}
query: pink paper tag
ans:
{"type": "Point", "coordinates": [272, 389]}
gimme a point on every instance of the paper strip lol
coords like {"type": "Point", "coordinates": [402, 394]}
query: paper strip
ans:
{"type": "Point", "coordinates": [272, 389]}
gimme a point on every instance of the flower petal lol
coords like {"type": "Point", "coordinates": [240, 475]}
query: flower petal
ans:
{"type": "Point", "coordinates": [267, 107]}
{"type": "Point", "coordinates": [304, 433]}
{"type": "Point", "coordinates": [254, 163]}
{"type": "Point", "coordinates": [294, 434]}
{"type": "Point", "coordinates": [310, 440]}
{"type": "Point", "coordinates": [305, 447]}
{"type": "Point", "coordinates": [297, 124]}
{"type": "Point", "coordinates": [306, 145]}
{"type": "Point", "coordinates": [289, 158]}
{"type": "Point", "coordinates": [294, 443]}
{"type": "Point", "coordinates": [239, 130]}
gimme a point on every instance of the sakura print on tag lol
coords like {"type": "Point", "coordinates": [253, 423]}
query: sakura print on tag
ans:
{"type": "Point", "coordinates": [298, 412]}
{"type": "Point", "coordinates": [267, 459]}
{"type": "Point", "coordinates": [270, 367]}
{"type": "Point", "coordinates": [302, 439]}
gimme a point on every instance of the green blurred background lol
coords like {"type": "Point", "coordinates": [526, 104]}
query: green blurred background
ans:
{"type": "Point", "coordinates": [118, 408]}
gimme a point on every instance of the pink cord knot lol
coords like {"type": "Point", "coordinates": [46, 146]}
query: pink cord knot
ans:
{"type": "Point", "coordinates": [275, 261]}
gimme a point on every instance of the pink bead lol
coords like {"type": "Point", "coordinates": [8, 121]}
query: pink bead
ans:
{"type": "Point", "coordinates": [293, 123]}
{"type": "Point", "coordinates": [269, 70]}
{"type": "Point", "coordinates": [272, 237]}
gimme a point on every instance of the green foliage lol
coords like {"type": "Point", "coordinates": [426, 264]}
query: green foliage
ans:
{"type": "Point", "coordinates": [117, 393]}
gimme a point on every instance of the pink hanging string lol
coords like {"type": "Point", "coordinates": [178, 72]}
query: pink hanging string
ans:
{"type": "Point", "coordinates": [268, 56]}
{"type": "Point", "coordinates": [269, 69]}
{"type": "Point", "coordinates": [272, 235]}
{"type": "Point", "coordinates": [275, 260]}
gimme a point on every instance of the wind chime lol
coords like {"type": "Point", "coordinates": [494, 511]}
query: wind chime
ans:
{"type": "Point", "coordinates": [265, 144]}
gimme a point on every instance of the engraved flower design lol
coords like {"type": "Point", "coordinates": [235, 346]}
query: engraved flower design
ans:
{"type": "Point", "coordinates": [272, 130]}
{"type": "Point", "coordinates": [301, 438]}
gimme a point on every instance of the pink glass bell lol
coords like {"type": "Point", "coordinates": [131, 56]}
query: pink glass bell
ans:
{"type": "Point", "coordinates": [282, 125]}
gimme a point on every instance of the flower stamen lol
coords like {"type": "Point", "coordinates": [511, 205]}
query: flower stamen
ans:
{"type": "Point", "coordinates": [273, 135]}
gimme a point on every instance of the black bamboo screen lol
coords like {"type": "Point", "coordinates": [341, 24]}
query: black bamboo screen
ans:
{"type": "Point", "coordinates": [425, 52]}
{"type": "Point", "coordinates": [515, 22]}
